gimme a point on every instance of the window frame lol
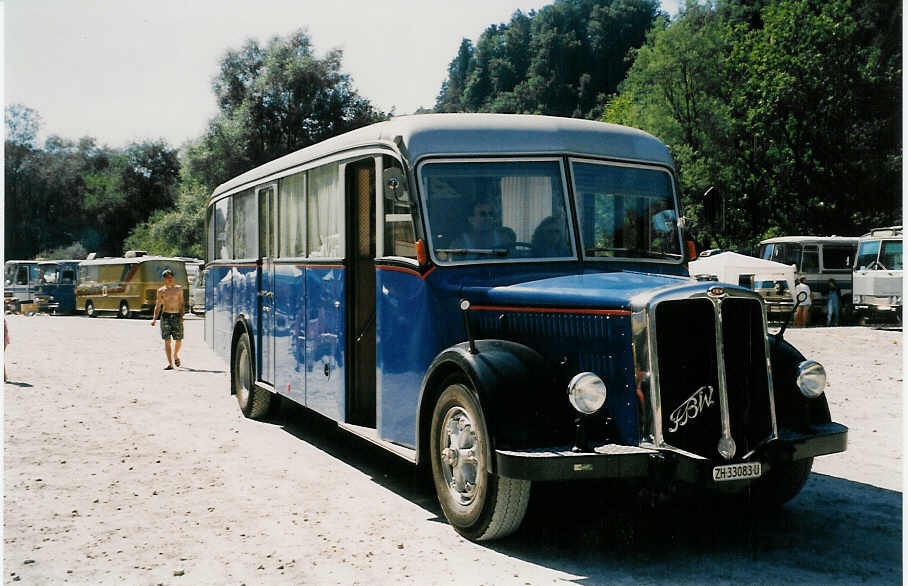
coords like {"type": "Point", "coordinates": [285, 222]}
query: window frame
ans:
{"type": "Point", "coordinates": [637, 165]}
{"type": "Point", "coordinates": [422, 197]}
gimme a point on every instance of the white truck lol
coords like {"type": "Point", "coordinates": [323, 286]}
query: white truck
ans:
{"type": "Point", "coordinates": [877, 276]}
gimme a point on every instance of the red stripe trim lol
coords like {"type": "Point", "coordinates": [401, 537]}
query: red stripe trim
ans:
{"type": "Point", "coordinates": [413, 272]}
{"type": "Point", "coordinates": [552, 310]}
{"type": "Point", "coordinates": [322, 266]}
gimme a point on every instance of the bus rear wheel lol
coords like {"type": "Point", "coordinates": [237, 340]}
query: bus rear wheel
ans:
{"type": "Point", "coordinates": [253, 401]}
{"type": "Point", "coordinates": [479, 504]}
{"type": "Point", "coordinates": [90, 309]}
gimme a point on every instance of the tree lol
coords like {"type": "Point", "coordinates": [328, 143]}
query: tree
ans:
{"type": "Point", "coordinates": [785, 108]}
{"type": "Point", "coordinates": [558, 61]}
{"type": "Point", "coordinates": [274, 100]}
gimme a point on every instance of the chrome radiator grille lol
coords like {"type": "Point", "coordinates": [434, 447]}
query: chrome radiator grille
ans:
{"type": "Point", "coordinates": [690, 382]}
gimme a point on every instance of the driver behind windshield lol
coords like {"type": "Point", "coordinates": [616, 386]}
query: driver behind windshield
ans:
{"type": "Point", "coordinates": [484, 233]}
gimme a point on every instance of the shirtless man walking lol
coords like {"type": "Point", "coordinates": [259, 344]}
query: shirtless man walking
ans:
{"type": "Point", "coordinates": [169, 305]}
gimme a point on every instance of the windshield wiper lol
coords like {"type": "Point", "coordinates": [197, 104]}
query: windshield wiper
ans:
{"type": "Point", "coordinates": [632, 252]}
{"type": "Point", "coordinates": [479, 251]}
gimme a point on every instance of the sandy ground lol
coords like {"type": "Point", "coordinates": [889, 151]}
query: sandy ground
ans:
{"type": "Point", "coordinates": [116, 472]}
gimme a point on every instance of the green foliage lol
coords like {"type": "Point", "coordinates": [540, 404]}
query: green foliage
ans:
{"type": "Point", "coordinates": [174, 232]}
{"type": "Point", "coordinates": [77, 192]}
{"type": "Point", "coordinates": [559, 61]}
{"type": "Point", "coordinates": [74, 251]}
{"type": "Point", "coordinates": [788, 109]}
{"type": "Point", "coordinates": [274, 100]}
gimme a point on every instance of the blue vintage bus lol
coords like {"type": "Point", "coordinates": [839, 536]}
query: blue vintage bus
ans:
{"type": "Point", "coordinates": [505, 299]}
{"type": "Point", "coordinates": [56, 289]}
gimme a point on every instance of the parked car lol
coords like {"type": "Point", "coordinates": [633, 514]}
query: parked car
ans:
{"type": "Point", "coordinates": [56, 290]}
{"type": "Point", "coordinates": [125, 285]}
{"type": "Point", "coordinates": [878, 273]}
{"type": "Point", "coordinates": [20, 281]}
{"type": "Point", "coordinates": [818, 259]}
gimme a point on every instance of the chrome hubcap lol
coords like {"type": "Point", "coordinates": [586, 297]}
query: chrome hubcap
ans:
{"type": "Point", "coordinates": [461, 461]}
{"type": "Point", "coordinates": [242, 373]}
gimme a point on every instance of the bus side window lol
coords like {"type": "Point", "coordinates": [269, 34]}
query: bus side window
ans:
{"type": "Point", "coordinates": [68, 277]}
{"type": "Point", "coordinates": [811, 259]}
{"type": "Point", "coordinates": [246, 227]}
{"type": "Point", "coordinates": [292, 206]}
{"type": "Point", "coordinates": [325, 215]}
{"type": "Point", "coordinates": [400, 235]}
{"type": "Point", "coordinates": [222, 232]}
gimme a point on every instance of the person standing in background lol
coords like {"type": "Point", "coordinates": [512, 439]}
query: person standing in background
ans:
{"type": "Point", "coordinates": [833, 303]}
{"type": "Point", "coordinates": [803, 314]}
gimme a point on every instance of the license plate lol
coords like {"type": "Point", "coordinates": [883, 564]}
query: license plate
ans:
{"type": "Point", "coordinates": [737, 471]}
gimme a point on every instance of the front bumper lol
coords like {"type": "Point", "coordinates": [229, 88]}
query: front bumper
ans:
{"type": "Point", "coordinates": [630, 462]}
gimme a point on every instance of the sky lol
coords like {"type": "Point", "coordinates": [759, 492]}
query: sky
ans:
{"type": "Point", "coordinates": [133, 70]}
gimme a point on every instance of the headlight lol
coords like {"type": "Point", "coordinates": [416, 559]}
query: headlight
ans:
{"type": "Point", "coordinates": [586, 392]}
{"type": "Point", "coordinates": [811, 378]}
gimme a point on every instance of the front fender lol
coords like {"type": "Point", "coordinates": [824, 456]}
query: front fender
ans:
{"type": "Point", "coordinates": [793, 409]}
{"type": "Point", "coordinates": [514, 387]}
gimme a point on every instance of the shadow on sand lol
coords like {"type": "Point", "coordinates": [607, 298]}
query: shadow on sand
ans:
{"type": "Point", "coordinates": [835, 532]}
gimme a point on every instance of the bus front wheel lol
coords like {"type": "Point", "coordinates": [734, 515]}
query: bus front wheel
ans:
{"type": "Point", "coordinates": [90, 309]}
{"type": "Point", "coordinates": [479, 504]}
{"type": "Point", "coordinates": [253, 401]}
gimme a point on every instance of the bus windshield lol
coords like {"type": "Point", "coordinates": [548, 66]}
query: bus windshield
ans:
{"type": "Point", "coordinates": [626, 211]}
{"type": "Point", "coordinates": [891, 255]}
{"type": "Point", "coordinates": [496, 210]}
{"type": "Point", "coordinates": [867, 254]}
{"type": "Point", "coordinates": [48, 274]}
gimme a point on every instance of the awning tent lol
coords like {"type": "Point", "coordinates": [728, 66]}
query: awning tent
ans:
{"type": "Point", "coordinates": [728, 267]}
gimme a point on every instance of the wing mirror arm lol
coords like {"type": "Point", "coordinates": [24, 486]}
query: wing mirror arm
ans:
{"type": "Point", "coordinates": [801, 298]}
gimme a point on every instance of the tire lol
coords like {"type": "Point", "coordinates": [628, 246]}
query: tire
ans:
{"type": "Point", "coordinates": [253, 401]}
{"type": "Point", "coordinates": [90, 309]}
{"type": "Point", "coordinates": [781, 484]}
{"type": "Point", "coordinates": [124, 312]}
{"type": "Point", "coordinates": [479, 505]}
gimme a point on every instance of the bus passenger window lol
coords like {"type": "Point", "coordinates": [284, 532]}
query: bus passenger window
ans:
{"type": "Point", "coordinates": [292, 206]}
{"type": "Point", "coordinates": [325, 213]}
{"type": "Point", "coordinates": [810, 260]}
{"type": "Point", "coordinates": [222, 230]}
{"type": "Point", "coordinates": [400, 236]}
{"type": "Point", "coordinates": [246, 227]}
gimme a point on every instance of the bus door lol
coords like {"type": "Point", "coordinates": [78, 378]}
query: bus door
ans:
{"type": "Point", "coordinates": [359, 182]}
{"type": "Point", "coordinates": [266, 305]}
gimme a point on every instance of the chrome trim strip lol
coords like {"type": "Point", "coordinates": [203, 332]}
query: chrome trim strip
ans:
{"type": "Point", "coordinates": [727, 446]}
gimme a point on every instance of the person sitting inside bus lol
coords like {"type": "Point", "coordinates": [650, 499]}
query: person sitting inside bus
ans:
{"type": "Point", "coordinates": [484, 233]}
{"type": "Point", "coordinates": [550, 238]}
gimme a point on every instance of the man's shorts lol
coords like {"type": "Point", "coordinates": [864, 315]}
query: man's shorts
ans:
{"type": "Point", "coordinates": [171, 326]}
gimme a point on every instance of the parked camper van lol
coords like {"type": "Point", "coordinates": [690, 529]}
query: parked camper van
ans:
{"type": "Point", "coordinates": [878, 272]}
{"type": "Point", "coordinates": [819, 258]}
{"type": "Point", "coordinates": [56, 289]}
{"type": "Point", "coordinates": [20, 279]}
{"type": "Point", "coordinates": [125, 285]}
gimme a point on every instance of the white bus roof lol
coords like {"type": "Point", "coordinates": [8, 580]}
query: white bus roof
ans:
{"type": "Point", "coordinates": [471, 134]}
{"type": "Point", "coordinates": [888, 232]}
{"type": "Point", "coordinates": [811, 239]}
